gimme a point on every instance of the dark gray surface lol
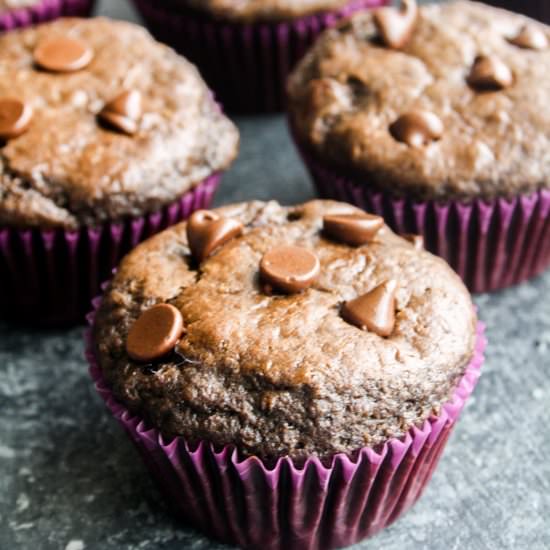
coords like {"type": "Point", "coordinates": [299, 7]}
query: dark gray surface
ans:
{"type": "Point", "coordinates": [69, 478]}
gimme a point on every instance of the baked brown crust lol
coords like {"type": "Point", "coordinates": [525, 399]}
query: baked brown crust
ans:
{"type": "Point", "coordinates": [347, 92]}
{"type": "Point", "coordinates": [261, 10]}
{"type": "Point", "coordinates": [9, 5]}
{"type": "Point", "coordinates": [69, 170]}
{"type": "Point", "coordinates": [286, 375]}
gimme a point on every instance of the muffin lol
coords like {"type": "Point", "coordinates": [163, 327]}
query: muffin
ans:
{"type": "Point", "coordinates": [23, 13]}
{"type": "Point", "coordinates": [539, 9]}
{"type": "Point", "coordinates": [450, 141]}
{"type": "Point", "coordinates": [290, 375]}
{"type": "Point", "coordinates": [245, 49]}
{"type": "Point", "coordinates": [107, 137]}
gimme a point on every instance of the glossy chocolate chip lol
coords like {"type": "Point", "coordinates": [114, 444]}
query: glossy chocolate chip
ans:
{"type": "Point", "coordinates": [490, 73]}
{"type": "Point", "coordinates": [395, 26]}
{"type": "Point", "coordinates": [15, 118]}
{"type": "Point", "coordinates": [416, 240]}
{"type": "Point", "coordinates": [207, 230]}
{"type": "Point", "coordinates": [373, 311]}
{"type": "Point", "coordinates": [118, 122]}
{"type": "Point", "coordinates": [354, 229]}
{"type": "Point", "coordinates": [123, 112]}
{"type": "Point", "coordinates": [62, 55]}
{"type": "Point", "coordinates": [417, 128]}
{"type": "Point", "coordinates": [127, 103]}
{"type": "Point", "coordinates": [530, 38]}
{"type": "Point", "coordinates": [155, 333]}
{"type": "Point", "coordinates": [289, 269]}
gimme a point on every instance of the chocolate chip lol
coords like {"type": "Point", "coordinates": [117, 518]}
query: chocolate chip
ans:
{"type": "Point", "coordinates": [62, 55]}
{"type": "Point", "coordinates": [123, 112]}
{"type": "Point", "coordinates": [417, 128]}
{"type": "Point", "coordinates": [490, 73]}
{"type": "Point", "coordinates": [207, 230]}
{"type": "Point", "coordinates": [395, 26]}
{"type": "Point", "coordinates": [416, 240]}
{"type": "Point", "coordinates": [530, 38]}
{"type": "Point", "coordinates": [373, 311]}
{"type": "Point", "coordinates": [117, 122]}
{"type": "Point", "coordinates": [155, 333]}
{"type": "Point", "coordinates": [289, 269]}
{"type": "Point", "coordinates": [128, 104]}
{"type": "Point", "coordinates": [15, 118]}
{"type": "Point", "coordinates": [353, 229]}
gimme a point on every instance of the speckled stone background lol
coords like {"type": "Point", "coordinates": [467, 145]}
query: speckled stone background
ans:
{"type": "Point", "coordinates": [70, 480]}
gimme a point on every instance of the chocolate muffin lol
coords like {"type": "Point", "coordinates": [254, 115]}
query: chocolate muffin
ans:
{"type": "Point", "coordinates": [72, 164]}
{"type": "Point", "coordinates": [245, 49]}
{"type": "Point", "coordinates": [101, 128]}
{"type": "Point", "coordinates": [284, 370]}
{"type": "Point", "coordinates": [274, 364]}
{"type": "Point", "coordinates": [458, 118]}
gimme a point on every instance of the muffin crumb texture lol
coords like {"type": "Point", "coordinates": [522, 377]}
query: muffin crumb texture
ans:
{"type": "Point", "coordinates": [6, 5]}
{"type": "Point", "coordinates": [117, 125]}
{"type": "Point", "coordinates": [368, 340]}
{"type": "Point", "coordinates": [247, 11]}
{"type": "Point", "coordinates": [481, 74]}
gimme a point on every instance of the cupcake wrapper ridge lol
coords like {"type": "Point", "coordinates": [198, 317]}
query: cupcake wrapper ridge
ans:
{"type": "Point", "coordinates": [314, 506]}
{"type": "Point", "coordinates": [46, 10]}
{"type": "Point", "coordinates": [49, 276]}
{"type": "Point", "coordinates": [246, 64]}
{"type": "Point", "coordinates": [490, 244]}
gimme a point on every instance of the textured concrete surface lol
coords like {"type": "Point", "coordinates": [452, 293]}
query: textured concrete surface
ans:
{"type": "Point", "coordinates": [70, 480]}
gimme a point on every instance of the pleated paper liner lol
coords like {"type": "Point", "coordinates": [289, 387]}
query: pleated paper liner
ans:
{"type": "Point", "coordinates": [538, 9]}
{"type": "Point", "coordinates": [48, 277]}
{"type": "Point", "coordinates": [45, 10]}
{"type": "Point", "coordinates": [284, 506]}
{"type": "Point", "coordinates": [245, 64]}
{"type": "Point", "coordinates": [490, 244]}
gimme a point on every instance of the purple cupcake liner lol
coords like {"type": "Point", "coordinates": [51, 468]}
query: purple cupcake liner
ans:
{"type": "Point", "coordinates": [46, 10]}
{"type": "Point", "coordinates": [490, 244]}
{"type": "Point", "coordinates": [49, 276]}
{"type": "Point", "coordinates": [314, 506]}
{"type": "Point", "coordinates": [538, 9]}
{"type": "Point", "coordinates": [245, 64]}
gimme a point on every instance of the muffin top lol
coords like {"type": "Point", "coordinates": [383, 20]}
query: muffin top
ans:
{"type": "Point", "coordinates": [98, 122]}
{"type": "Point", "coordinates": [7, 5]}
{"type": "Point", "coordinates": [263, 10]}
{"type": "Point", "coordinates": [452, 103]}
{"type": "Point", "coordinates": [358, 343]}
